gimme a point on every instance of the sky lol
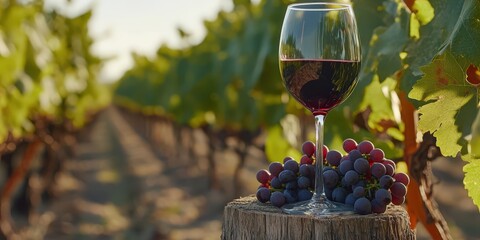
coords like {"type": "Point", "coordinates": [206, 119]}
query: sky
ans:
{"type": "Point", "coordinates": [120, 27]}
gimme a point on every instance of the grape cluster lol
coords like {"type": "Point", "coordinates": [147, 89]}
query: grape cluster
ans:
{"type": "Point", "coordinates": [363, 178]}
{"type": "Point", "coordinates": [289, 182]}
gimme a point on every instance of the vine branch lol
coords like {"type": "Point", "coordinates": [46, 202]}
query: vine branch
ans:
{"type": "Point", "coordinates": [420, 203]}
{"type": "Point", "coordinates": [6, 226]}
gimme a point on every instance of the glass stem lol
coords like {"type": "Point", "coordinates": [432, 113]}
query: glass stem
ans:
{"type": "Point", "coordinates": [319, 194]}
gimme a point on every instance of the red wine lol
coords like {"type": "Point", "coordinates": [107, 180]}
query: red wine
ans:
{"type": "Point", "coordinates": [319, 85]}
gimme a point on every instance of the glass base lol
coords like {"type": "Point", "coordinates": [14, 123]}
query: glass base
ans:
{"type": "Point", "coordinates": [318, 207]}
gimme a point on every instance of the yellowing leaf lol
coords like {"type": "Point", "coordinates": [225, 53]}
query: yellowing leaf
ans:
{"type": "Point", "coordinates": [471, 180]}
{"type": "Point", "coordinates": [445, 91]}
{"type": "Point", "coordinates": [475, 141]}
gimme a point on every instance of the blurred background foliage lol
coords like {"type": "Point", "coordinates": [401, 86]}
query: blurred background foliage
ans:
{"type": "Point", "coordinates": [47, 70]}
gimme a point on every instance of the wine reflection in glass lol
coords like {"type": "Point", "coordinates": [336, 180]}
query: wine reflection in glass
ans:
{"type": "Point", "coordinates": [319, 58]}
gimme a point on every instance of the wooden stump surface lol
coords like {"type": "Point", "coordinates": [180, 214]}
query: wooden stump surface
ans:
{"type": "Point", "coordinates": [247, 218]}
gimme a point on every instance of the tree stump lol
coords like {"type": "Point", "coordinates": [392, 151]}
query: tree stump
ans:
{"type": "Point", "coordinates": [247, 218]}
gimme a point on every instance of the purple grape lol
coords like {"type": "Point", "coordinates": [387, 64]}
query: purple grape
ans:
{"type": "Point", "coordinates": [360, 183]}
{"type": "Point", "coordinates": [328, 193]}
{"type": "Point", "coordinates": [398, 200]}
{"type": "Point", "coordinates": [304, 194]}
{"type": "Point", "coordinates": [365, 147]}
{"type": "Point", "coordinates": [275, 168]}
{"type": "Point", "coordinates": [361, 165]}
{"type": "Point", "coordinates": [291, 165]}
{"type": "Point", "coordinates": [359, 192]}
{"type": "Point", "coordinates": [349, 144]}
{"type": "Point", "coordinates": [306, 170]}
{"type": "Point", "coordinates": [303, 182]}
{"type": "Point", "coordinates": [308, 148]}
{"type": "Point", "coordinates": [402, 177]}
{"type": "Point", "coordinates": [263, 176]}
{"type": "Point", "coordinates": [350, 199]}
{"type": "Point", "coordinates": [390, 170]}
{"type": "Point", "coordinates": [390, 162]}
{"type": "Point", "coordinates": [334, 157]}
{"type": "Point", "coordinates": [345, 167]}
{"type": "Point", "coordinates": [306, 160]}
{"type": "Point", "coordinates": [290, 196]}
{"type": "Point", "coordinates": [292, 185]}
{"type": "Point", "coordinates": [362, 206]}
{"type": "Point", "coordinates": [263, 194]}
{"type": "Point", "coordinates": [383, 196]}
{"type": "Point", "coordinates": [378, 170]}
{"type": "Point", "coordinates": [339, 194]}
{"type": "Point", "coordinates": [351, 177]}
{"type": "Point", "coordinates": [275, 183]}
{"type": "Point", "coordinates": [330, 178]}
{"type": "Point", "coordinates": [312, 172]}
{"type": "Point", "coordinates": [378, 207]}
{"type": "Point", "coordinates": [354, 155]}
{"type": "Point", "coordinates": [287, 159]}
{"type": "Point", "coordinates": [377, 155]}
{"type": "Point", "coordinates": [344, 158]}
{"type": "Point", "coordinates": [286, 176]}
{"type": "Point", "coordinates": [277, 199]}
{"type": "Point", "coordinates": [398, 189]}
{"type": "Point", "coordinates": [386, 181]}
{"type": "Point", "coordinates": [326, 168]}
{"type": "Point", "coordinates": [343, 182]}
{"type": "Point", "coordinates": [325, 151]}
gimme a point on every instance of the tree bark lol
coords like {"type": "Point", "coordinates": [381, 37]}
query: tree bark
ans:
{"type": "Point", "coordinates": [246, 218]}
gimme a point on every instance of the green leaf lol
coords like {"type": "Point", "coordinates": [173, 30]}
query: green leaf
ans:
{"type": "Point", "coordinates": [432, 39]}
{"type": "Point", "coordinates": [387, 50]}
{"type": "Point", "coordinates": [467, 38]}
{"type": "Point", "coordinates": [472, 168]}
{"type": "Point", "coordinates": [370, 15]}
{"type": "Point", "coordinates": [475, 141]}
{"type": "Point", "coordinates": [445, 91]}
{"type": "Point", "coordinates": [471, 180]}
{"type": "Point", "coordinates": [379, 102]}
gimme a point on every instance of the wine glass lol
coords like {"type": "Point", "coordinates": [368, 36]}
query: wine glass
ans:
{"type": "Point", "coordinates": [319, 57]}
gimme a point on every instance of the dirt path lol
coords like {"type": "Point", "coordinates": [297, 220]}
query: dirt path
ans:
{"type": "Point", "coordinates": [117, 188]}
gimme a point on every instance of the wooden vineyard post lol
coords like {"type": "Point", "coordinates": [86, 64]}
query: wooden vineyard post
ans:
{"type": "Point", "coordinates": [246, 218]}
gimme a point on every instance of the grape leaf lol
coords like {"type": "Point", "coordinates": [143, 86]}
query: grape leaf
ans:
{"type": "Point", "coordinates": [475, 139]}
{"type": "Point", "coordinates": [465, 41]}
{"type": "Point", "coordinates": [471, 180]}
{"type": "Point", "coordinates": [387, 50]}
{"type": "Point", "coordinates": [445, 91]}
{"type": "Point", "coordinates": [432, 37]}
{"type": "Point", "coordinates": [381, 105]}
{"type": "Point", "coordinates": [370, 15]}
